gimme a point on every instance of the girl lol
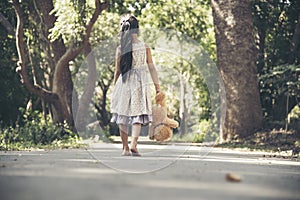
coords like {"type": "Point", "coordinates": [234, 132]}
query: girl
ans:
{"type": "Point", "coordinates": [131, 100]}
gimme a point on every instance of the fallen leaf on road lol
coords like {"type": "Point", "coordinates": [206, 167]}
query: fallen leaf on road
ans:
{"type": "Point", "coordinates": [233, 177]}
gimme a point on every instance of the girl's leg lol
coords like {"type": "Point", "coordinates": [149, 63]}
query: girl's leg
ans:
{"type": "Point", "coordinates": [124, 136]}
{"type": "Point", "coordinates": [136, 129]}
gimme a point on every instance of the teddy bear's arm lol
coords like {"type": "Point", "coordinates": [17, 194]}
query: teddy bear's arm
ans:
{"type": "Point", "coordinates": [171, 123]}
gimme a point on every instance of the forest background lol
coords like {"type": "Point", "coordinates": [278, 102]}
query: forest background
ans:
{"type": "Point", "coordinates": [254, 44]}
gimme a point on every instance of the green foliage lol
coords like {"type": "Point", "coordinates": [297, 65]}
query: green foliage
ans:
{"type": "Point", "coordinates": [71, 19]}
{"type": "Point", "coordinates": [187, 20]}
{"type": "Point", "coordinates": [278, 67]}
{"type": "Point", "coordinates": [275, 22]}
{"type": "Point", "coordinates": [195, 97]}
{"type": "Point", "coordinates": [33, 130]}
{"type": "Point", "coordinates": [208, 129]}
{"type": "Point", "coordinates": [190, 18]}
{"type": "Point", "coordinates": [283, 79]}
{"type": "Point", "coordinates": [294, 120]}
{"type": "Point", "coordinates": [204, 131]}
{"type": "Point", "coordinates": [106, 27]}
{"type": "Point", "coordinates": [199, 138]}
{"type": "Point", "coordinates": [281, 82]}
{"type": "Point", "coordinates": [295, 113]}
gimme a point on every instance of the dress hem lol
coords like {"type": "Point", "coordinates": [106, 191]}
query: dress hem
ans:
{"type": "Point", "coordinates": [139, 119]}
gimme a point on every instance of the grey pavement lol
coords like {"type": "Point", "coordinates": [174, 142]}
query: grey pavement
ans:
{"type": "Point", "coordinates": [173, 171]}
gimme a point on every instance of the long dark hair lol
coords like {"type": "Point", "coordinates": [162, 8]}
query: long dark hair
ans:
{"type": "Point", "coordinates": [128, 27]}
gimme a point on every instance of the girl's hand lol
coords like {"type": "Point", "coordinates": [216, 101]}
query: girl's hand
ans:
{"type": "Point", "coordinates": [157, 88]}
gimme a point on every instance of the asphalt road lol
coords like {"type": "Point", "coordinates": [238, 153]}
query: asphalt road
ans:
{"type": "Point", "coordinates": [163, 172]}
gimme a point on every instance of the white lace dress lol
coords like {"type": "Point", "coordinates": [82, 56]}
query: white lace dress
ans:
{"type": "Point", "coordinates": [131, 100]}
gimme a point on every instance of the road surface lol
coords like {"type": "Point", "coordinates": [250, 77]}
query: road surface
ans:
{"type": "Point", "coordinates": [168, 172]}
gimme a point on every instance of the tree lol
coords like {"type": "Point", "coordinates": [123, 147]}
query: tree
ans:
{"type": "Point", "coordinates": [187, 21]}
{"type": "Point", "coordinates": [236, 58]}
{"type": "Point", "coordinates": [277, 28]}
{"type": "Point", "coordinates": [104, 41]}
{"type": "Point", "coordinates": [59, 95]}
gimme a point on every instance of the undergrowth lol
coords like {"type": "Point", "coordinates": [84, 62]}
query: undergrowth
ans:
{"type": "Point", "coordinates": [33, 131]}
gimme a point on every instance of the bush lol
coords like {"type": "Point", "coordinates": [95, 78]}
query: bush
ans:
{"type": "Point", "coordinates": [294, 120]}
{"type": "Point", "coordinates": [278, 84]}
{"type": "Point", "coordinates": [199, 138]}
{"type": "Point", "coordinates": [33, 130]}
{"type": "Point", "coordinates": [202, 132]}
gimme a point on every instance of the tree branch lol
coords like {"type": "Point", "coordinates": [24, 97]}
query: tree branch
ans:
{"type": "Point", "coordinates": [101, 84]}
{"type": "Point", "coordinates": [99, 8]}
{"type": "Point", "coordinates": [89, 88]}
{"type": "Point", "coordinates": [71, 53]}
{"type": "Point", "coordinates": [22, 68]}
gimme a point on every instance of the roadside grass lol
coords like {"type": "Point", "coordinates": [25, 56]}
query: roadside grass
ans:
{"type": "Point", "coordinates": [69, 143]}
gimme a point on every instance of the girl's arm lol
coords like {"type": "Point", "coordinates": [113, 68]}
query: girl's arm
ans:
{"type": "Point", "coordinates": [117, 65]}
{"type": "Point", "coordinates": [152, 69]}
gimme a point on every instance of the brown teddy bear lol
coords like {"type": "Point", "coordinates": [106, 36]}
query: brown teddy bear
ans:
{"type": "Point", "coordinates": [161, 127]}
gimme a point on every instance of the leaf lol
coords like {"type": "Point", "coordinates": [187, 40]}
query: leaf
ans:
{"type": "Point", "coordinates": [232, 177]}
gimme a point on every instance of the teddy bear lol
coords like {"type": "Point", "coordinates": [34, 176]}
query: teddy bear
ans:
{"type": "Point", "coordinates": [161, 127]}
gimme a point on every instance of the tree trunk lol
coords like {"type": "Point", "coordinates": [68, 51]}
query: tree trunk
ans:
{"type": "Point", "coordinates": [60, 95]}
{"type": "Point", "coordinates": [61, 83]}
{"type": "Point", "coordinates": [85, 100]}
{"type": "Point", "coordinates": [236, 61]}
{"type": "Point", "coordinates": [103, 116]}
{"type": "Point", "coordinates": [181, 109]}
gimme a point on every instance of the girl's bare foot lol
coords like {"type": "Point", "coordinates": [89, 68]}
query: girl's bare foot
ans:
{"type": "Point", "coordinates": [134, 152]}
{"type": "Point", "coordinates": [126, 152]}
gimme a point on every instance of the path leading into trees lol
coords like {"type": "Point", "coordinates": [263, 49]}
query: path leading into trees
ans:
{"type": "Point", "coordinates": [166, 172]}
